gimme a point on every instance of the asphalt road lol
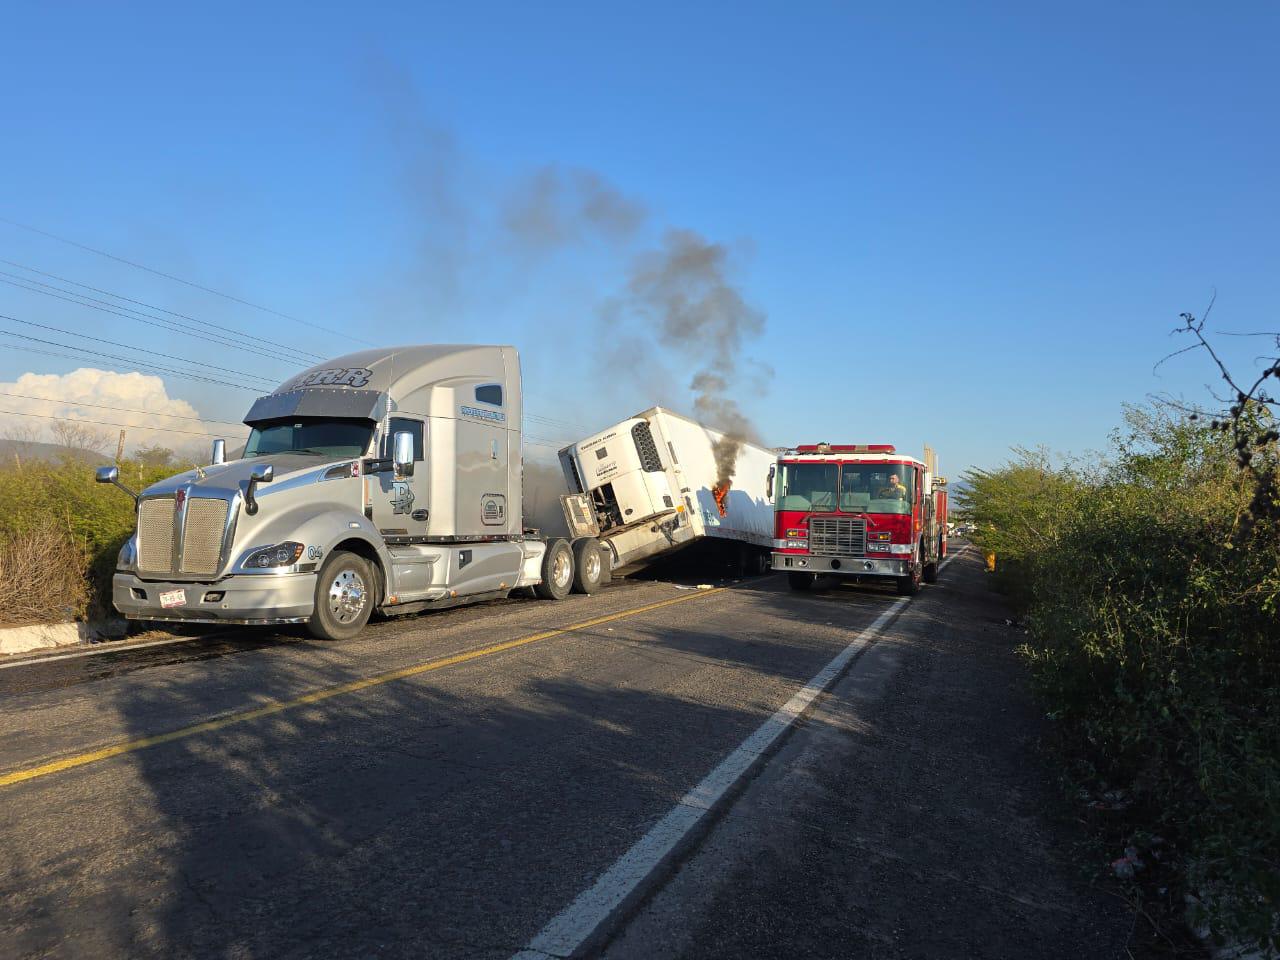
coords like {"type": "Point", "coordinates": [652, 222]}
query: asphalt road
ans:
{"type": "Point", "coordinates": [440, 787]}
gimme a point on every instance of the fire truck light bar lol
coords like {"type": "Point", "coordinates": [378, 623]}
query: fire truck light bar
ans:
{"type": "Point", "coordinates": [846, 448]}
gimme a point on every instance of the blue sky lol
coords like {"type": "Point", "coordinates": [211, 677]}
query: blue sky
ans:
{"type": "Point", "coordinates": [971, 226]}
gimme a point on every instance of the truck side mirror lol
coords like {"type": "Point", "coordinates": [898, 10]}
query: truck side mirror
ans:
{"type": "Point", "coordinates": [768, 484]}
{"type": "Point", "coordinates": [402, 453]}
{"type": "Point", "coordinates": [111, 475]}
{"type": "Point", "coordinates": [219, 454]}
{"type": "Point", "coordinates": [262, 473]}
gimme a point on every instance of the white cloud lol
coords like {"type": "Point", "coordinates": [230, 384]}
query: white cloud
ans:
{"type": "Point", "coordinates": [85, 394]}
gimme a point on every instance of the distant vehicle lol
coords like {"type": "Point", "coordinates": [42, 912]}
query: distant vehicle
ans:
{"type": "Point", "coordinates": [650, 486]}
{"type": "Point", "coordinates": [385, 480]}
{"type": "Point", "coordinates": [858, 511]}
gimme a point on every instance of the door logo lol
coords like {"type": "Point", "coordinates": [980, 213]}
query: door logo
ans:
{"type": "Point", "coordinates": [402, 497]}
{"type": "Point", "coordinates": [493, 509]}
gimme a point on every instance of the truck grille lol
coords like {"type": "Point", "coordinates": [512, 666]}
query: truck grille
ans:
{"type": "Point", "coordinates": [202, 535]}
{"type": "Point", "coordinates": [837, 537]}
{"type": "Point", "coordinates": [155, 535]}
{"type": "Point", "coordinates": [201, 553]}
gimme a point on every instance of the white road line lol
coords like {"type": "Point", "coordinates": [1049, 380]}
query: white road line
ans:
{"type": "Point", "coordinates": [98, 650]}
{"type": "Point", "coordinates": [573, 926]}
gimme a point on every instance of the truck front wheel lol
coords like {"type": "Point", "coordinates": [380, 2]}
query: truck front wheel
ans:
{"type": "Point", "coordinates": [590, 565]}
{"type": "Point", "coordinates": [344, 597]}
{"type": "Point", "coordinates": [557, 571]}
{"type": "Point", "coordinates": [909, 585]}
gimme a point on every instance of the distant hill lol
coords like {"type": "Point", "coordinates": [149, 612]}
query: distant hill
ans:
{"type": "Point", "coordinates": [33, 450]}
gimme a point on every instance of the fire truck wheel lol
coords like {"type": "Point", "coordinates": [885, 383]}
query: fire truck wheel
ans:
{"type": "Point", "coordinates": [801, 581]}
{"type": "Point", "coordinates": [557, 571]}
{"type": "Point", "coordinates": [931, 572]}
{"type": "Point", "coordinates": [764, 563]}
{"type": "Point", "coordinates": [344, 597]}
{"type": "Point", "coordinates": [590, 565]}
{"type": "Point", "coordinates": [908, 586]}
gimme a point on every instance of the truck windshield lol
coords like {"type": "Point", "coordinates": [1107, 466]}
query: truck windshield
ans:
{"type": "Point", "coordinates": [321, 437]}
{"type": "Point", "coordinates": [876, 488]}
{"type": "Point", "coordinates": [809, 486]}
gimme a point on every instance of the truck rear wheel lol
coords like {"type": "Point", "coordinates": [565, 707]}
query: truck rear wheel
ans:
{"type": "Point", "coordinates": [590, 565]}
{"type": "Point", "coordinates": [557, 572]}
{"type": "Point", "coordinates": [344, 597]}
{"type": "Point", "coordinates": [931, 569]}
{"type": "Point", "coordinates": [801, 581]}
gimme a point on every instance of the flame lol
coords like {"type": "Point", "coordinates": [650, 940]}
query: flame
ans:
{"type": "Point", "coordinates": [721, 492]}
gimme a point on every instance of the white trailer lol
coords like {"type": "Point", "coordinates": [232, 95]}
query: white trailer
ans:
{"type": "Point", "coordinates": [645, 488]}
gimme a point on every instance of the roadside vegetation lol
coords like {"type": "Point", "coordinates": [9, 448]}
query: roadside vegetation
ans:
{"type": "Point", "coordinates": [60, 533]}
{"type": "Point", "coordinates": [1148, 580]}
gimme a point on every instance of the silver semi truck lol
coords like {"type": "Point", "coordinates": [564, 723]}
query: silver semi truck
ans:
{"type": "Point", "coordinates": [387, 480]}
{"type": "Point", "coordinates": [649, 486]}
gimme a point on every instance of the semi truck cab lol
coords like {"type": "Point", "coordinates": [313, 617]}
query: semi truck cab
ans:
{"type": "Point", "coordinates": [387, 480]}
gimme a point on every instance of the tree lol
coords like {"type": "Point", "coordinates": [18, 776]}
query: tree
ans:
{"type": "Point", "coordinates": [78, 438]}
{"type": "Point", "coordinates": [154, 455]}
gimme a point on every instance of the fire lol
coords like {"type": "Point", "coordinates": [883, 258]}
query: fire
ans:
{"type": "Point", "coordinates": [721, 492]}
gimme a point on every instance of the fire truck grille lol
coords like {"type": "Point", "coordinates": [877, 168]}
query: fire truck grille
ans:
{"type": "Point", "coordinates": [202, 536]}
{"type": "Point", "coordinates": [155, 535]}
{"type": "Point", "coordinates": [837, 537]}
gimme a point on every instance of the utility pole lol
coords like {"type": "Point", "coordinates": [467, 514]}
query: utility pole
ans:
{"type": "Point", "coordinates": [120, 448]}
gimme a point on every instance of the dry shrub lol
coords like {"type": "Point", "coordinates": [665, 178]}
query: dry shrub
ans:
{"type": "Point", "coordinates": [43, 576]}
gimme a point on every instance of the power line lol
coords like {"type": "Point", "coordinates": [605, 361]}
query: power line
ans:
{"type": "Point", "coordinates": [176, 279]}
{"type": "Point", "coordinates": [126, 346]}
{"type": "Point", "coordinates": [130, 313]}
{"type": "Point", "coordinates": [134, 362]}
{"type": "Point", "coordinates": [104, 406]}
{"type": "Point", "coordinates": [106, 423]}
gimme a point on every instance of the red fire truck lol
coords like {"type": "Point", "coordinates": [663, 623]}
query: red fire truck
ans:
{"type": "Point", "coordinates": [858, 511]}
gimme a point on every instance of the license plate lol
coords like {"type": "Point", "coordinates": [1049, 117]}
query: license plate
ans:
{"type": "Point", "coordinates": [173, 598]}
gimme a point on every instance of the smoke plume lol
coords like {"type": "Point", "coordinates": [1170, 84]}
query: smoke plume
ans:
{"type": "Point", "coordinates": [553, 208]}
{"type": "Point", "coordinates": [684, 290]}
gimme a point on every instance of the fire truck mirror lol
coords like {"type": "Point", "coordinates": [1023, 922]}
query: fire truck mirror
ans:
{"type": "Point", "coordinates": [768, 484]}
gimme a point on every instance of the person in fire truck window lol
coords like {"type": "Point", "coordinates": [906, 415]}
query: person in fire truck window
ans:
{"type": "Point", "coordinates": [894, 491]}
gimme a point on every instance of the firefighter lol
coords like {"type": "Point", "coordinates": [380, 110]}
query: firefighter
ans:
{"type": "Point", "coordinates": [894, 491]}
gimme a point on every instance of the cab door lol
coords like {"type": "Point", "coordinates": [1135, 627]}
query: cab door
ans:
{"type": "Point", "coordinates": [399, 504]}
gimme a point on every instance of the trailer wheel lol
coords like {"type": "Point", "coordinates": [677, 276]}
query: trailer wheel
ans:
{"type": "Point", "coordinates": [344, 597]}
{"type": "Point", "coordinates": [557, 572]}
{"type": "Point", "coordinates": [801, 581]}
{"type": "Point", "coordinates": [590, 565]}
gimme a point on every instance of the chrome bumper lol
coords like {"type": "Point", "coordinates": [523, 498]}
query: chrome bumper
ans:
{"type": "Point", "coordinates": [245, 599]}
{"type": "Point", "coordinates": [841, 566]}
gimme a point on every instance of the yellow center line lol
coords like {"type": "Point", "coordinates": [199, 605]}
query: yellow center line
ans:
{"type": "Point", "coordinates": [317, 696]}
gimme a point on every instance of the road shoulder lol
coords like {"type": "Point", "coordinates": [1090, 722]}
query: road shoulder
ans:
{"type": "Point", "coordinates": [908, 815]}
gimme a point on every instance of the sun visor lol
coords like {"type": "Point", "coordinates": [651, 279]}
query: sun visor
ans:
{"type": "Point", "coordinates": [319, 402]}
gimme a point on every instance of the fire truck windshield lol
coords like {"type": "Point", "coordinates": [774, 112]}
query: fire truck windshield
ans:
{"type": "Point", "coordinates": [857, 487]}
{"type": "Point", "coordinates": [876, 488]}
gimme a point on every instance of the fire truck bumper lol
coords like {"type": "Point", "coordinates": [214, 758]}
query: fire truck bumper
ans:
{"type": "Point", "coordinates": [841, 566]}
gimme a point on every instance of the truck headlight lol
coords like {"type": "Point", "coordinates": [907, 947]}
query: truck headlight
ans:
{"type": "Point", "coordinates": [277, 555]}
{"type": "Point", "coordinates": [127, 559]}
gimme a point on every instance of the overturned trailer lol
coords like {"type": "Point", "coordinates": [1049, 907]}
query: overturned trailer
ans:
{"type": "Point", "coordinates": [649, 486]}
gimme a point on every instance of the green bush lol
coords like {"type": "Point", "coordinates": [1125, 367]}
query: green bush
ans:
{"type": "Point", "coordinates": [60, 498]}
{"type": "Point", "coordinates": [1154, 641]}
